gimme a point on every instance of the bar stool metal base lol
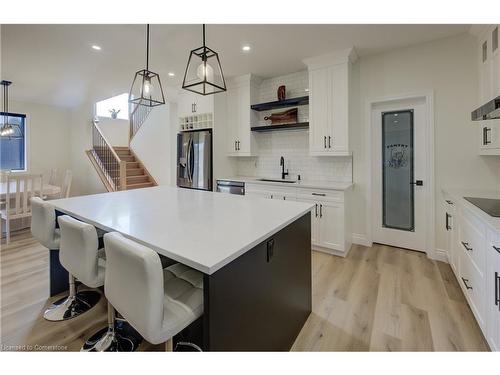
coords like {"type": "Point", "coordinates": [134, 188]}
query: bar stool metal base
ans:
{"type": "Point", "coordinates": [72, 306]}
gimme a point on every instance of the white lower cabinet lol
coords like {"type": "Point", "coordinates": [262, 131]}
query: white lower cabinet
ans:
{"type": "Point", "coordinates": [329, 229]}
{"type": "Point", "coordinates": [492, 298]}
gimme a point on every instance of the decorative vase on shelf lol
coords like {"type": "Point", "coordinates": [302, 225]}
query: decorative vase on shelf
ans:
{"type": "Point", "coordinates": [281, 92]}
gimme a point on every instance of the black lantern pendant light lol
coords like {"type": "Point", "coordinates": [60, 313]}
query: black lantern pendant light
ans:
{"type": "Point", "coordinates": [203, 71]}
{"type": "Point", "coordinates": [146, 88]}
{"type": "Point", "coordinates": [8, 130]}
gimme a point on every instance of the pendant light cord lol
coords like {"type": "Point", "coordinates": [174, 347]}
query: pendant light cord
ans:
{"type": "Point", "coordinates": [203, 35]}
{"type": "Point", "coordinates": [147, 47]}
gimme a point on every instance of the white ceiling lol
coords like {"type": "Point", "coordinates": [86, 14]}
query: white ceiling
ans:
{"type": "Point", "coordinates": [54, 64]}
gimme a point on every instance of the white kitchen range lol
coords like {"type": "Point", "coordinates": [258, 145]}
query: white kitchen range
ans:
{"type": "Point", "coordinates": [211, 187]}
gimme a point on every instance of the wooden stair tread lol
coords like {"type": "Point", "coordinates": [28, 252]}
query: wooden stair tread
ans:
{"type": "Point", "coordinates": [139, 186]}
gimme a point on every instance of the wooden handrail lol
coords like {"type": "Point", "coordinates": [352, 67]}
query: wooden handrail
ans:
{"type": "Point", "coordinates": [113, 152]}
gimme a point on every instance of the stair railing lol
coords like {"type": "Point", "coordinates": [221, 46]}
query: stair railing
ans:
{"type": "Point", "coordinates": [138, 116]}
{"type": "Point", "coordinates": [113, 168]}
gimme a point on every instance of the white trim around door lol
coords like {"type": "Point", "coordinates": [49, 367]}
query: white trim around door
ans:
{"type": "Point", "coordinates": [428, 98]}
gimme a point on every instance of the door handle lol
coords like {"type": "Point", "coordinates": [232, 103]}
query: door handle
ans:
{"type": "Point", "coordinates": [320, 210]}
{"type": "Point", "coordinates": [418, 183]}
{"type": "Point", "coordinates": [465, 281]}
{"type": "Point", "coordinates": [466, 245]}
{"type": "Point", "coordinates": [188, 164]}
{"type": "Point", "coordinates": [329, 142]}
{"type": "Point", "coordinates": [325, 141]}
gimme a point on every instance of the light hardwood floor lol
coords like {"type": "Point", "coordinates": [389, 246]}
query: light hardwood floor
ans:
{"type": "Point", "coordinates": [379, 299]}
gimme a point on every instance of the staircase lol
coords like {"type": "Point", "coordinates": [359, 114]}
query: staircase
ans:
{"type": "Point", "coordinates": [136, 175]}
{"type": "Point", "coordinates": [118, 167]}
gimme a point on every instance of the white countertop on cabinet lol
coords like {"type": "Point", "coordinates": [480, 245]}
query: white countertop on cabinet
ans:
{"type": "Point", "coordinates": [458, 196]}
{"type": "Point", "coordinates": [307, 184]}
{"type": "Point", "coordinates": [201, 229]}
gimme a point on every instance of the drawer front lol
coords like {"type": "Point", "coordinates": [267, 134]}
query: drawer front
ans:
{"type": "Point", "coordinates": [322, 195]}
{"type": "Point", "coordinates": [472, 238]}
{"type": "Point", "coordinates": [473, 285]}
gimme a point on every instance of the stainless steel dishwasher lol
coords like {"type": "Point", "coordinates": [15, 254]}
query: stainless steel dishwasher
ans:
{"type": "Point", "coordinates": [231, 187]}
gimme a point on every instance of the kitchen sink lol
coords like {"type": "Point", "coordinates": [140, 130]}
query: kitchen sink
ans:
{"type": "Point", "coordinates": [271, 180]}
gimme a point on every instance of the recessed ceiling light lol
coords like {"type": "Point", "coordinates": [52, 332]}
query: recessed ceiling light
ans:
{"type": "Point", "coordinates": [96, 47]}
{"type": "Point", "coordinates": [306, 90]}
{"type": "Point", "coordinates": [246, 48]}
{"type": "Point", "coordinates": [171, 74]}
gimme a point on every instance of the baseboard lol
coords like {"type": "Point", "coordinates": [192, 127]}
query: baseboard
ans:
{"type": "Point", "coordinates": [338, 253]}
{"type": "Point", "coordinates": [361, 239]}
{"type": "Point", "coordinates": [441, 255]}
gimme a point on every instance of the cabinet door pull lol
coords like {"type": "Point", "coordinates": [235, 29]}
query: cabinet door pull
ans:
{"type": "Point", "coordinates": [316, 209]}
{"type": "Point", "coordinates": [319, 194]}
{"type": "Point", "coordinates": [329, 142]}
{"type": "Point", "coordinates": [485, 136]}
{"type": "Point", "coordinates": [449, 202]}
{"type": "Point", "coordinates": [320, 210]}
{"type": "Point", "coordinates": [497, 296]}
{"type": "Point", "coordinates": [465, 281]}
{"type": "Point", "coordinates": [448, 221]}
{"type": "Point", "coordinates": [466, 245]}
{"type": "Point", "coordinates": [325, 142]}
{"type": "Point", "coordinates": [239, 148]}
{"type": "Point", "coordinates": [271, 196]}
{"type": "Point", "coordinates": [194, 106]}
{"type": "Point", "coordinates": [235, 149]}
{"type": "Point", "coordinates": [496, 248]}
{"type": "Point", "coordinates": [284, 198]}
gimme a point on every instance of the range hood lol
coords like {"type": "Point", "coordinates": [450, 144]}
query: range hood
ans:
{"type": "Point", "coordinates": [489, 111]}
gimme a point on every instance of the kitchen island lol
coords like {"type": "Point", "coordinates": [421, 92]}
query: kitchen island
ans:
{"type": "Point", "coordinates": [255, 255]}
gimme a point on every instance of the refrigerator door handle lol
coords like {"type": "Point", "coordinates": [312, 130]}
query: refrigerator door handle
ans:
{"type": "Point", "coordinates": [188, 164]}
{"type": "Point", "coordinates": [191, 159]}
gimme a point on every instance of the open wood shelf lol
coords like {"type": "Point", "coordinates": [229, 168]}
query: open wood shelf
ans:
{"type": "Point", "coordinates": [268, 128]}
{"type": "Point", "coordinates": [302, 100]}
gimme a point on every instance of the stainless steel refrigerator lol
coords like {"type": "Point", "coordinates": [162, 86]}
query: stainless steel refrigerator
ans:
{"type": "Point", "coordinates": [194, 159]}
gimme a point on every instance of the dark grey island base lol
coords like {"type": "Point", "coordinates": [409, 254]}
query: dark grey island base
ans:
{"type": "Point", "coordinates": [261, 300]}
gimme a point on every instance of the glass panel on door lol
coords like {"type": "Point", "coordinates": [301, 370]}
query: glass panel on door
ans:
{"type": "Point", "coordinates": [398, 207]}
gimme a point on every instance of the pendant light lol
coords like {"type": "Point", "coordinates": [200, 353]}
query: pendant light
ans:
{"type": "Point", "coordinates": [146, 88]}
{"type": "Point", "coordinates": [203, 71]}
{"type": "Point", "coordinates": [7, 130]}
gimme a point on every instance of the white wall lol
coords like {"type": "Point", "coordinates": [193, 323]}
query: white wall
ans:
{"type": "Point", "coordinates": [48, 131]}
{"type": "Point", "coordinates": [155, 143]}
{"type": "Point", "coordinates": [115, 131]}
{"type": "Point", "coordinates": [447, 66]}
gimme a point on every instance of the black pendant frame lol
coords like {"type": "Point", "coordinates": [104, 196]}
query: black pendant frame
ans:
{"type": "Point", "coordinates": [142, 76]}
{"type": "Point", "coordinates": [204, 53]}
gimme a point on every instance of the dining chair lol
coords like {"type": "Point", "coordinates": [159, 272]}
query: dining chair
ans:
{"type": "Point", "coordinates": [66, 186]}
{"type": "Point", "coordinates": [19, 189]}
{"type": "Point", "coordinates": [53, 176]}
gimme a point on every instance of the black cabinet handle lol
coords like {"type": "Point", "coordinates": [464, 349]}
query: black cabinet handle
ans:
{"type": "Point", "coordinates": [320, 210]}
{"type": "Point", "coordinates": [319, 194]}
{"type": "Point", "coordinates": [271, 196]}
{"type": "Point", "coordinates": [284, 198]}
{"type": "Point", "coordinates": [485, 136]}
{"type": "Point", "coordinates": [496, 248]}
{"type": "Point", "coordinates": [316, 209]}
{"type": "Point", "coordinates": [418, 183]}
{"type": "Point", "coordinates": [235, 143]}
{"type": "Point", "coordinates": [497, 296]}
{"type": "Point", "coordinates": [448, 221]}
{"type": "Point", "coordinates": [325, 141]}
{"type": "Point", "coordinates": [465, 281]}
{"type": "Point", "coordinates": [239, 148]}
{"type": "Point", "coordinates": [466, 245]}
{"type": "Point", "coordinates": [270, 249]}
{"type": "Point", "coordinates": [449, 202]}
{"type": "Point", "coordinates": [329, 142]}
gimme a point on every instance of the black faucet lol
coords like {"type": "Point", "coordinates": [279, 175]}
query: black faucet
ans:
{"type": "Point", "coordinates": [283, 173]}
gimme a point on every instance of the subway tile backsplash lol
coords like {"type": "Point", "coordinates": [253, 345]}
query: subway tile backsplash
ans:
{"type": "Point", "coordinates": [293, 145]}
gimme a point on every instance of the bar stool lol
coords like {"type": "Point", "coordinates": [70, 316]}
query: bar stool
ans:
{"type": "Point", "coordinates": [158, 303]}
{"type": "Point", "coordinates": [79, 255]}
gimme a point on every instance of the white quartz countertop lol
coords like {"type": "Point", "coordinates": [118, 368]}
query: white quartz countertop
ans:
{"type": "Point", "coordinates": [201, 229]}
{"type": "Point", "coordinates": [458, 196]}
{"type": "Point", "coordinates": [324, 185]}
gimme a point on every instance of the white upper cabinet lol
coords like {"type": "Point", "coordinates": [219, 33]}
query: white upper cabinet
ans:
{"type": "Point", "coordinates": [241, 93]}
{"type": "Point", "coordinates": [191, 104]}
{"type": "Point", "coordinates": [329, 103]}
{"type": "Point", "coordinates": [488, 56]}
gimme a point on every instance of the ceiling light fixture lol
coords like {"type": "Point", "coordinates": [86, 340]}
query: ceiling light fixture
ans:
{"type": "Point", "coordinates": [203, 71]}
{"type": "Point", "coordinates": [8, 130]}
{"type": "Point", "coordinates": [146, 87]}
{"type": "Point", "coordinates": [96, 47]}
{"type": "Point", "coordinates": [246, 48]}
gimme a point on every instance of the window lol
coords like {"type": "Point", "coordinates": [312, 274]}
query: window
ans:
{"type": "Point", "coordinates": [117, 104]}
{"type": "Point", "coordinates": [13, 147]}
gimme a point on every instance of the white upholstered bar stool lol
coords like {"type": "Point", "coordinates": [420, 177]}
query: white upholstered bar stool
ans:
{"type": "Point", "coordinates": [158, 303]}
{"type": "Point", "coordinates": [80, 255]}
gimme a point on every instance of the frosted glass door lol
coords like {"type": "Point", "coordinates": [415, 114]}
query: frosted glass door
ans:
{"type": "Point", "coordinates": [397, 170]}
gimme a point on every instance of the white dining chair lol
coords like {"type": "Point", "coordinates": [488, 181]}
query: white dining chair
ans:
{"type": "Point", "coordinates": [66, 186]}
{"type": "Point", "coordinates": [53, 177]}
{"type": "Point", "coordinates": [19, 189]}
